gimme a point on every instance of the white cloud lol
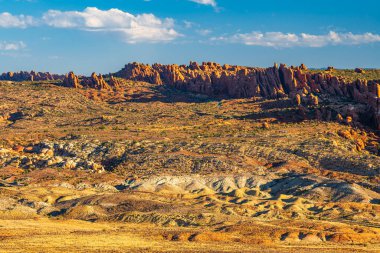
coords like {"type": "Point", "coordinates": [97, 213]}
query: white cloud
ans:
{"type": "Point", "coordinates": [205, 2]}
{"type": "Point", "coordinates": [12, 46]}
{"type": "Point", "coordinates": [282, 40]}
{"type": "Point", "coordinates": [8, 20]}
{"type": "Point", "coordinates": [133, 28]}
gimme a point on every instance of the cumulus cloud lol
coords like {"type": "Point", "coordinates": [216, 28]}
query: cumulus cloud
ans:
{"type": "Point", "coordinates": [205, 2]}
{"type": "Point", "coordinates": [285, 40]}
{"type": "Point", "coordinates": [11, 46]}
{"type": "Point", "coordinates": [8, 20]}
{"type": "Point", "coordinates": [133, 28]}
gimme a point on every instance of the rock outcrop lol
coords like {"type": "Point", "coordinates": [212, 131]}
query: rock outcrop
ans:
{"type": "Point", "coordinates": [240, 82]}
{"type": "Point", "coordinates": [71, 80]}
{"type": "Point", "coordinates": [359, 70]}
{"type": "Point", "coordinates": [212, 79]}
{"type": "Point", "coordinates": [94, 81]}
{"type": "Point", "coordinates": [114, 82]}
{"type": "Point", "coordinates": [30, 76]}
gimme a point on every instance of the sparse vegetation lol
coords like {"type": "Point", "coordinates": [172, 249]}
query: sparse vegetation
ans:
{"type": "Point", "coordinates": [351, 75]}
{"type": "Point", "coordinates": [159, 169]}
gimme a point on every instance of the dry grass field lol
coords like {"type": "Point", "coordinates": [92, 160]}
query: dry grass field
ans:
{"type": "Point", "coordinates": [47, 235]}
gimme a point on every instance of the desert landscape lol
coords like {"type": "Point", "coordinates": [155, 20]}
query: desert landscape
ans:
{"type": "Point", "coordinates": [196, 158]}
{"type": "Point", "coordinates": [189, 126]}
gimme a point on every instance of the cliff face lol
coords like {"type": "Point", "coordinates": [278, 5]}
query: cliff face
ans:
{"type": "Point", "coordinates": [240, 82]}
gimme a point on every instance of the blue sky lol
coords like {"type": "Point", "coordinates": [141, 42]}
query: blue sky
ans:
{"type": "Point", "coordinates": [97, 35]}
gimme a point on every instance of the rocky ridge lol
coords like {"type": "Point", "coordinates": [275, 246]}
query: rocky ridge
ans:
{"type": "Point", "coordinates": [29, 76]}
{"type": "Point", "coordinates": [275, 82]}
{"type": "Point", "coordinates": [304, 87]}
{"type": "Point", "coordinates": [95, 81]}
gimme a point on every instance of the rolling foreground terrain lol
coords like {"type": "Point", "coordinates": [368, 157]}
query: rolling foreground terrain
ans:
{"type": "Point", "coordinates": [198, 158]}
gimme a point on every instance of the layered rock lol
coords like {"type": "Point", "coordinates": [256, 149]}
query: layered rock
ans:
{"type": "Point", "coordinates": [241, 82]}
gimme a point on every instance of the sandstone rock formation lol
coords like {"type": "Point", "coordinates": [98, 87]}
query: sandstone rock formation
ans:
{"type": "Point", "coordinates": [303, 67]}
{"type": "Point", "coordinates": [240, 82]}
{"type": "Point", "coordinates": [298, 99]}
{"type": "Point", "coordinates": [114, 82]}
{"type": "Point", "coordinates": [71, 80]}
{"type": "Point", "coordinates": [96, 82]}
{"type": "Point", "coordinates": [213, 79]}
{"type": "Point", "coordinates": [29, 76]}
{"type": "Point", "coordinates": [210, 78]}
